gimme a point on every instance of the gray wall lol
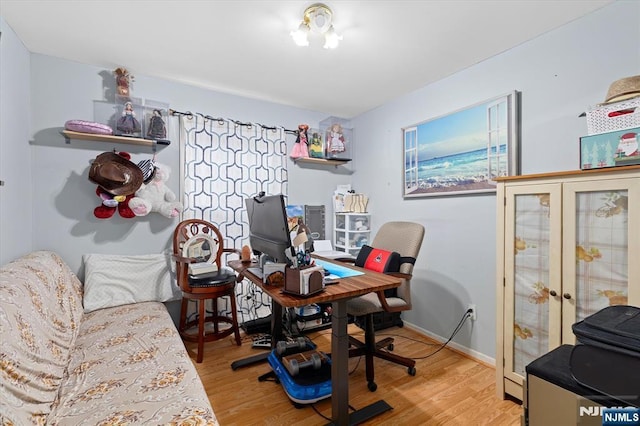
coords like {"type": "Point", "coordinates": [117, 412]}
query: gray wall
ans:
{"type": "Point", "coordinates": [16, 220]}
{"type": "Point", "coordinates": [64, 199]}
{"type": "Point", "coordinates": [559, 74]}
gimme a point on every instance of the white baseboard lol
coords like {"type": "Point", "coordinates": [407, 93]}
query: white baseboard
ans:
{"type": "Point", "coordinates": [478, 356]}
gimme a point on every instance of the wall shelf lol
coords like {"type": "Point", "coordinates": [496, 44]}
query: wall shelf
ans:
{"type": "Point", "coordinates": [68, 135]}
{"type": "Point", "coordinates": [324, 161]}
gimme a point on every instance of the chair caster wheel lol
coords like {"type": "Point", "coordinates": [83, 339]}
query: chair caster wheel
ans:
{"type": "Point", "coordinates": [390, 347]}
{"type": "Point", "coordinates": [372, 386]}
{"type": "Point", "coordinates": [411, 371]}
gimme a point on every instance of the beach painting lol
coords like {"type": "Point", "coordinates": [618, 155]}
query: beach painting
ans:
{"type": "Point", "coordinates": [462, 152]}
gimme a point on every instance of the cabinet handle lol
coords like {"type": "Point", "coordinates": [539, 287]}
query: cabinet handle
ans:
{"type": "Point", "coordinates": [566, 296]}
{"type": "Point", "coordinates": [553, 293]}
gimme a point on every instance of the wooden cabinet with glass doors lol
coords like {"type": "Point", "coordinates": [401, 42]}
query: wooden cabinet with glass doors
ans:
{"type": "Point", "coordinates": [568, 246]}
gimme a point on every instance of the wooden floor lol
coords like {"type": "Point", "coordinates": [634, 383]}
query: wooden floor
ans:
{"type": "Point", "coordinates": [448, 389]}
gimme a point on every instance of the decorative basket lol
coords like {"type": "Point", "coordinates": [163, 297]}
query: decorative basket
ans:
{"type": "Point", "coordinates": [612, 117]}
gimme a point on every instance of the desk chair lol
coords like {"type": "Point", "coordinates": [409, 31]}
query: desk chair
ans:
{"type": "Point", "coordinates": [406, 239]}
{"type": "Point", "coordinates": [196, 240]}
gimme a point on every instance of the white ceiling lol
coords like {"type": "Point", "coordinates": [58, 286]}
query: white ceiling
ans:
{"type": "Point", "coordinates": [243, 47]}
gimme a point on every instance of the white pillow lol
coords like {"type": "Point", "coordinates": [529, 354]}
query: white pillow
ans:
{"type": "Point", "coordinates": [114, 280]}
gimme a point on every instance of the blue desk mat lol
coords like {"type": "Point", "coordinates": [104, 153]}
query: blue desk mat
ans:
{"type": "Point", "coordinates": [337, 270]}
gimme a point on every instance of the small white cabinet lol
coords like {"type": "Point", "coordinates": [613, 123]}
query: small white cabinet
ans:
{"type": "Point", "coordinates": [351, 231]}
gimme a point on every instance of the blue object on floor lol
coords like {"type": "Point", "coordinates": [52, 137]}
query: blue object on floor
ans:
{"type": "Point", "coordinates": [309, 386]}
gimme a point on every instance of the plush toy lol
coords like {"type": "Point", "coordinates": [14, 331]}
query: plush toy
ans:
{"type": "Point", "coordinates": [111, 203]}
{"type": "Point", "coordinates": [156, 196]}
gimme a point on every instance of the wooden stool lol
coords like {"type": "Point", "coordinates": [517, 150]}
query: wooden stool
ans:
{"type": "Point", "coordinates": [197, 240]}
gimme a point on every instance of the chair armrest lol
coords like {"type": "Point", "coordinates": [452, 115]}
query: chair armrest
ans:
{"type": "Point", "coordinates": [383, 299]}
{"type": "Point", "coordinates": [399, 275]}
{"type": "Point", "coordinates": [385, 305]}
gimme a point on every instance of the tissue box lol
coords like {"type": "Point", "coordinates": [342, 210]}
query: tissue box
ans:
{"type": "Point", "coordinates": [616, 116]}
{"type": "Point", "coordinates": [610, 149]}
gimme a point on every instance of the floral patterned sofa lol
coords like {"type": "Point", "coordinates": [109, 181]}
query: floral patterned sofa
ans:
{"type": "Point", "coordinates": [62, 366]}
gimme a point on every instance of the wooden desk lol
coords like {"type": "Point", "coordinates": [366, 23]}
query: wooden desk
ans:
{"type": "Point", "coordinates": [337, 294]}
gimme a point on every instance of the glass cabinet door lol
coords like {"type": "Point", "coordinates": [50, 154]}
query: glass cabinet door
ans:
{"type": "Point", "coordinates": [601, 253]}
{"type": "Point", "coordinates": [532, 275]}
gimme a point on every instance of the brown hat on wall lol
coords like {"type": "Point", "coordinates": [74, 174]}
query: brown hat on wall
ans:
{"type": "Point", "coordinates": [115, 174]}
{"type": "Point", "coordinates": [625, 88]}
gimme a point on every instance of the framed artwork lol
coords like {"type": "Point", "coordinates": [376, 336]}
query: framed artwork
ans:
{"type": "Point", "coordinates": [462, 152]}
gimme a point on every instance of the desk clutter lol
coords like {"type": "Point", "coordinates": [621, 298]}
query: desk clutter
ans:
{"type": "Point", "coordinates": [304, 280]}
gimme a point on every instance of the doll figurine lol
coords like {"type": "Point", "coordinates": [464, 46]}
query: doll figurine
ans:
{"type": "Point", "coordinates": [300, 149]}
{"type": "Point", "coordinates": [123, 80]}
{"type": "Point", "coordinates": [157, 128]}
{"type": "Point", "coordinates": [315, 149]}
{"type": "Point", "coordinates": [335, 140]}
{"type": "Point", "coordinates": [127, 123]}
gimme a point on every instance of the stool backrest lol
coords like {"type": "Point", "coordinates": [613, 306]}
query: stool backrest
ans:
{"type": "Point", "coordinates": [198, 240]}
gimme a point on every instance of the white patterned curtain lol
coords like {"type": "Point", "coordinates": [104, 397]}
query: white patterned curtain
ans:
{"type": "Point", "coordinates": [225, 162]}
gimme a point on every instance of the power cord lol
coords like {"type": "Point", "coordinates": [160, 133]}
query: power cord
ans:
{"type": "Point", "coordinates": [457, 329]}
{"type": "Point", "coordinates": [466, 315]}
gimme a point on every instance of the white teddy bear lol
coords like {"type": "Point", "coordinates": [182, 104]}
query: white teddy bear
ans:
{"type": "Point", "coordinates": [156, 196]}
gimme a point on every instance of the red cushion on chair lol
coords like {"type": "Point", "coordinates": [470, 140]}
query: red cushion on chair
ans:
{"type": "Point", "coordinates": [378, 260]}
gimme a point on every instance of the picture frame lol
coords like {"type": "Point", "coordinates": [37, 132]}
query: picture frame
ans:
{"type": "Point", "coordinates": [462, 152]}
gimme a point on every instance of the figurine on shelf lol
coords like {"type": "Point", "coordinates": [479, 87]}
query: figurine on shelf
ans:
{"type": "Point", "coordinates": [316, 150]}
{"type": "Point", "coordinates": [123, 81]}
{"type": "Point", "coordinates": [127, 123]}
{"type": "Point", "coordinates": [300, 149]}
{"type": "Point", "coordinates": [335, 140]}
{"type": "Point", "coordinates": [157, 128]}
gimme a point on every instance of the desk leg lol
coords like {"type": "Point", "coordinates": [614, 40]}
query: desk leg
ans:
{"type": "Point", "coordinates": [340, 374]}
{"type": "Point", "coordinates": [339, 364]}
{"type": "Point", "coordinates": [276, 324]}
{"type": "Point", "coordinates": [276, 334]}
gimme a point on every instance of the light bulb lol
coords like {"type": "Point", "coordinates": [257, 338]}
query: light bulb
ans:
{"type": "Point", "coordinates": [300, 36]}
{"type": "Point", "coordinates": [331, 39]}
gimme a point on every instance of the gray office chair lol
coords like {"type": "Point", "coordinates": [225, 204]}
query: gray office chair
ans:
{"type": "Point", "coordinates": [406, 239]}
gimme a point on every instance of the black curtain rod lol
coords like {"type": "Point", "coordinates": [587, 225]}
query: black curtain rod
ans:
{"type": "Point", "coordinates": [221, 120]}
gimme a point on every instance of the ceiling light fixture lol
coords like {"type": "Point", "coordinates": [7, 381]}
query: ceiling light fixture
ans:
{"type": "Point", "coordinates": [317, 18]}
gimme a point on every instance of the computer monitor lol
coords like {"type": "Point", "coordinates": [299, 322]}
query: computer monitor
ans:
{"type": "Point", "coordinates": [268, 227]}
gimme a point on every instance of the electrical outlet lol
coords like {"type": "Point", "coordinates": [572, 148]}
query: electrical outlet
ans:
{"type": "Point", "coordinates": [471, 307]}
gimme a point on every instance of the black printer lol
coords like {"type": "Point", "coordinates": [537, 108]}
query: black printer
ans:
{"type": "Point", "coordinates": [573, 383]}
